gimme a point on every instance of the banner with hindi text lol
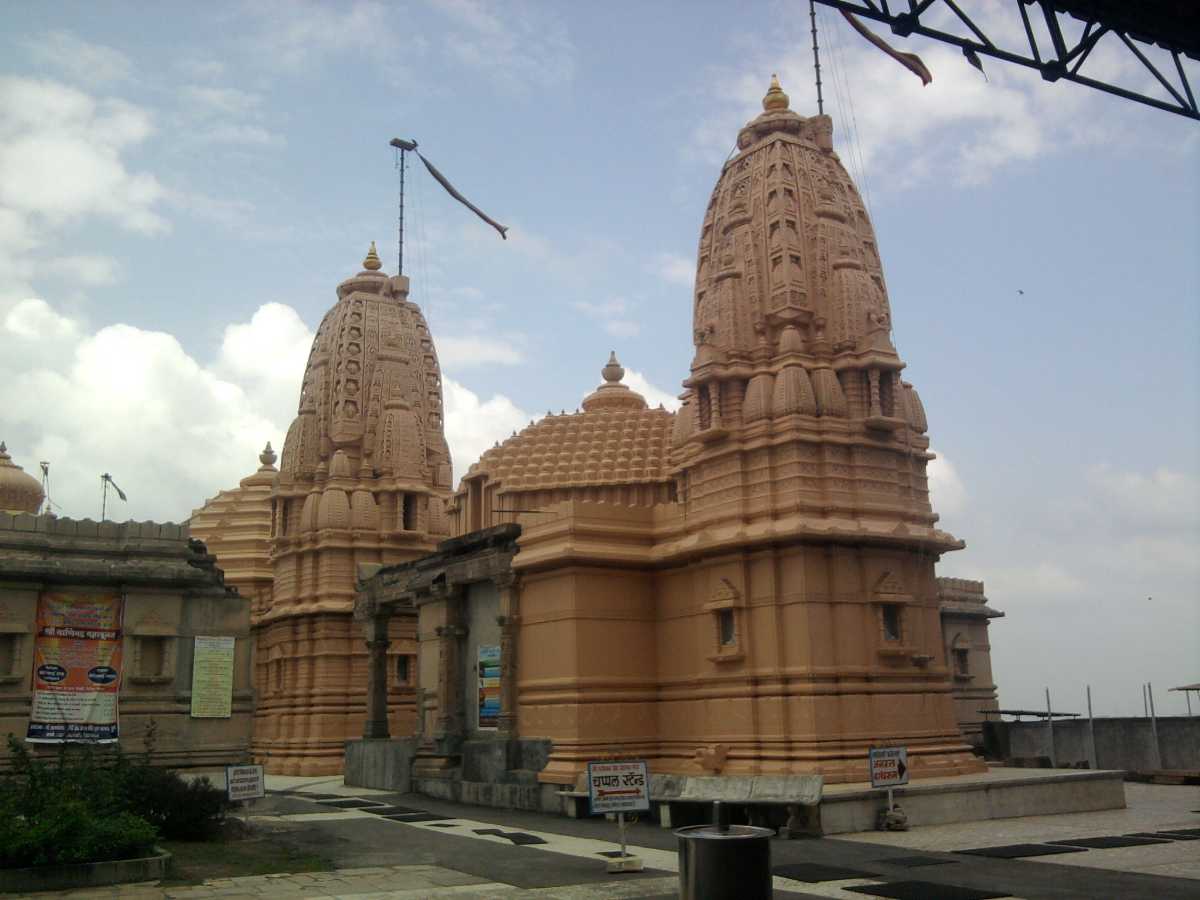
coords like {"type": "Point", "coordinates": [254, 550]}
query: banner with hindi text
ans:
{"type": "Point", "coordinates": [77, 655]}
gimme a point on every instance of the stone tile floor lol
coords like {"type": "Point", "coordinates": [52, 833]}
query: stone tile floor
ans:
{"type": "Point", "coordinates": [1149, 807]}
{"type": "Point", "coordinates": [373, 883]}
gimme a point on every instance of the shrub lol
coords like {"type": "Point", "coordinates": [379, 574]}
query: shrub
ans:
{"type": "Point", "coordinates": [182, 810]}
{"type": "Point", "coordinates": [88, 806]}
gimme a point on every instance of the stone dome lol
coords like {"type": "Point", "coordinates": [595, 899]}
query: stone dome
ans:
{"type": "Point", "coordinates": [19, 491]}
{"type": "Point", "coordinates": [616, 439]}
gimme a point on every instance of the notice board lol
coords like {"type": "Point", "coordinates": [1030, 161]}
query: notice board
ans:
{"type": "Point", "coordinates": [212, 677]}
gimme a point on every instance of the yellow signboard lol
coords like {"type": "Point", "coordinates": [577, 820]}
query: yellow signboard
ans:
{"type": "Point", "coordinates": [212, 678]}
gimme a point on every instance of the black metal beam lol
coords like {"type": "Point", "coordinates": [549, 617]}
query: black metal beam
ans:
{"type": "Point", "coordinates": [1172, 25]}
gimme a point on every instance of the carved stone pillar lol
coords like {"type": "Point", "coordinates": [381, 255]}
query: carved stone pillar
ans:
{"type": "Point", "coordinates": [449, 719]}
{"type": "Point", "coordinates": [374, 619]}
{"type": "Point", "coordinates": [509, 619]}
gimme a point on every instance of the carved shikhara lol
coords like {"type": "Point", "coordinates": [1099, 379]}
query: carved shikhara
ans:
{"type": "Point", "coordinates": [363, 478]}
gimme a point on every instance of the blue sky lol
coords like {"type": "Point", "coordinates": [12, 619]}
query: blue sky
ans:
{"type": "Point", "coordinates": [181, 192]}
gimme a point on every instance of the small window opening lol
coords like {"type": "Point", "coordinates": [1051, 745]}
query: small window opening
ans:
{"type": "Point", "coordinates": [961, 664]}
{"type": "Point", "coordinates": [725, 630]}
{"type": "Point", "coordinates": [153, 658]}
{"type": "Point", "coordinates": [404, 668]}
{"type": "Point", "coordinates": [8, 654]}
{"type": "Point", "coordinates": [891, 621]}
{"type": "Point", "coordinates": [410, 512]}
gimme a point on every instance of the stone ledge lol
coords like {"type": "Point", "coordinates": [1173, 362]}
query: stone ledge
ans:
{"type": "Point", "coordinates": [84, 875]}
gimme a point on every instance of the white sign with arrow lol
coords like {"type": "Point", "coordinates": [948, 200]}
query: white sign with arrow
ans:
{"type": "Point", "coordinates": [889, 767]}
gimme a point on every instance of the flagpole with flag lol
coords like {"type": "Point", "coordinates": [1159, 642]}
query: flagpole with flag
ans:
{"type": "Point", "coordinates": [105, 481]}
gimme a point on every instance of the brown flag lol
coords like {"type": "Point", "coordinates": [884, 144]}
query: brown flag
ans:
{"type": "Point", "coordinates": [453, 192]}
{"type": "Point", "coordinates": [910, 61]}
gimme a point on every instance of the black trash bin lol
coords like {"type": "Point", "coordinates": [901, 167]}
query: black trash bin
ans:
{"type": "Point", "coordinates": [724, 862]}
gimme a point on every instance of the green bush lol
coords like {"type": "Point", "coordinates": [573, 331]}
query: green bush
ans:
{"type": "Point", "coordinates": [85, 806]}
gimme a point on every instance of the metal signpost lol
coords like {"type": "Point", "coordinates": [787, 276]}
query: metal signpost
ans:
{"type": "Point", "coordinates": [619, 787]}
{"type": "Point", "coordinates": [889, 769]}
{"type": "Point", "coordinates": [245, 783]}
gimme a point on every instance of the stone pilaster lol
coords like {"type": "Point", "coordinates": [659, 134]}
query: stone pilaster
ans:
{"type": "Point", "coordinates": [449, 720]}
{"type": "Point", "coordinates": [374, 619]}
{"type": "Point", "coordinates": [509, 620]}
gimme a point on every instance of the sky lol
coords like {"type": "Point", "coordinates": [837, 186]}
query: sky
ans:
{"type": "Point", "coordinates": [181, 192]}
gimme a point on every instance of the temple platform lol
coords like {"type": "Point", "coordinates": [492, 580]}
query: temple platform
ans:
{"type": "Point", "coordinates": [999, 793]}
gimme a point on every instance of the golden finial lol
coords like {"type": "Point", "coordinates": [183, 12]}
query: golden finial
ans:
{"type": "Point", "coordinates": [372, 263]}
{"type": "Point", "coordinates": [776, 99]}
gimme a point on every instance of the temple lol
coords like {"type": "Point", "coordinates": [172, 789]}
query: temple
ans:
{"type": "Point", "coordinates": [742, 588]}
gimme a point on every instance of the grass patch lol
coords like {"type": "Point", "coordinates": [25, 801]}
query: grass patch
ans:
{"type": "Point", "coordinates": [194, 861]}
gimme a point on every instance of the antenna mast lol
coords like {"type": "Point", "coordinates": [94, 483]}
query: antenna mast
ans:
{"type": "Point", "coordinates": [812, 13]}
{"type": "Point", "coordinates": [403, 146]}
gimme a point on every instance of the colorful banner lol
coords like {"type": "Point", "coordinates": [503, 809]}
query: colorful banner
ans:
{"type": "Point", "coordinates": [489, 687]}
{"type": "Point", "coordinates": [212, 678]}
{"type": "Point", "coordinates": [76, 668]}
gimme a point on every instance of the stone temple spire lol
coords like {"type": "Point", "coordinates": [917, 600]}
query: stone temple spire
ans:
{"type": "Point", "coordinates": [363, 479]}
{"type": "Point", "coordinates": [791, 318]}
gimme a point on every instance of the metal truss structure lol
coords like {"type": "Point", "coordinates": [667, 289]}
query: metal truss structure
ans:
{"type": "Point", "coordinates": [1173, 26]}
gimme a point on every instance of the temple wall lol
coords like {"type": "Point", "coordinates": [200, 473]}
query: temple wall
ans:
{"type": "Point", "coordinates": [172, 594]}
{"type": "Point", "coordinates": [587, 659]}
{"type": "Point", "coordinates": [779, 697]}
{"type": "Point", "coordinates": [311, 671]}
{"type": "Point", "coordinates": [776, 661]}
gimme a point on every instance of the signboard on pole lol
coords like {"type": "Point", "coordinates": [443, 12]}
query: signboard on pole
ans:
{"type": "Point", "coordinates": [212, 677]}
{"type": "Point", "coordinates": [489, 686]}
{"type": "Point", "coordinates": [889, 767]}
{"type": "Point", "coordinates": [76, 668]}
{"type": "Point", "coordinates": [618, 786]}
{"type": "Point", "coordinates": [244, 782]}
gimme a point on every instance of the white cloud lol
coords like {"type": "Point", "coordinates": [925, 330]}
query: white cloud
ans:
{"type": "Point", "coordinates": [960, 128]}
{"type": "Point", "coordinates": [947, 492]}
{"type": "Point", "coordinates": [476, 350]}
{"type": "Point", "coordinates": [201, 69]}
{"type": "Point", "coordinates": [172, 429]}
{"type": "Point", "coordinates": [127, 401]}
{"type": "Point", "coordinates": [60, 157]}
{"type": "Point", "coordinates": [612, 314]}
{"type": "Point", "coordinates": [224, 115]}
{"type": "Point", "coordinates": [79, 59]}
{"type": "Point", "coordinates": [516, 46]}
{"type": "Point", "coordinates": [675, 269]}
{"type": "Point", "coordinates": [1098, 564]}
{"type": "Point", "coordinates": [222, 100]}
{"type": "Point", "coordinates": [295, 36]}
{"type": "Point", "coordinates": [654, 395]}
{"type": "Point", "coordinates": [1157, 500]}
{"type": "Point", "coordinates": [474, 425]}
{"type": "Point", "coordinates": [85, 269]}
{"type": "Point", "coordinates": [267, 356]}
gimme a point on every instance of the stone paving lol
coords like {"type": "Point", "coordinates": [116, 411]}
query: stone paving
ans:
{"type": "Point", "coordinates": [372, 883]}
{"type": "Point", "coordinates": [1149, 808]}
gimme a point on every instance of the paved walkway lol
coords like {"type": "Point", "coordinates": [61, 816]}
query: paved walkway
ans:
{"type": "Point", "coordinates": [1149, 808]}
{"type": "Point", "coordinates": [391, 846]}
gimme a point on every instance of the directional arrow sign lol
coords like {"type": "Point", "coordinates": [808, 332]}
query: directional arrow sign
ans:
{"type": "Point", "coordinates": [889, 766]}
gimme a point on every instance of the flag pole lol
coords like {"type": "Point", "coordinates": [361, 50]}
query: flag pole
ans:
{"type": "Point", "coordinates": [812, 13]}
